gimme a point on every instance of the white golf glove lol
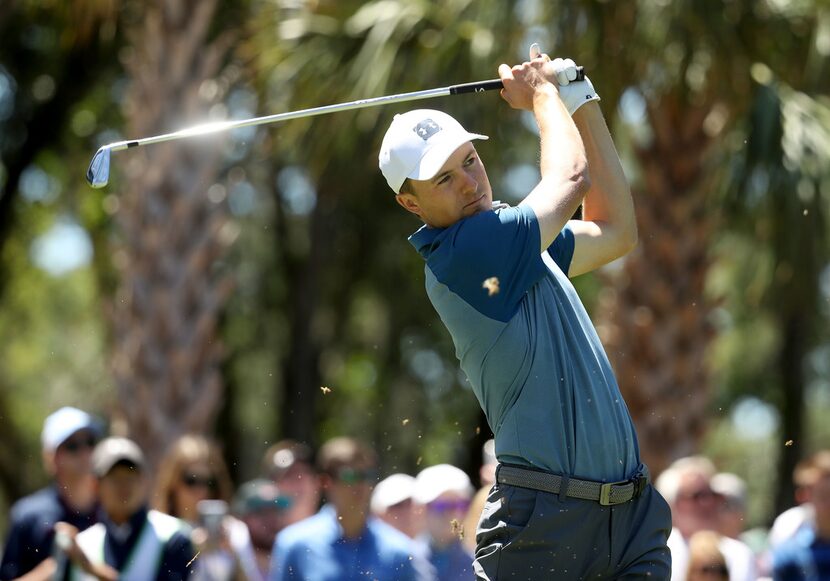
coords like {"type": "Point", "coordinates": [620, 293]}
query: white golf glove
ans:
{"type": "Point", "coordinates": [573, 93]}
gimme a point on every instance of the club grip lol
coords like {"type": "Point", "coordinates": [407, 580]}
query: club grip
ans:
{"type": "Point", "coordinates": [494, 84]}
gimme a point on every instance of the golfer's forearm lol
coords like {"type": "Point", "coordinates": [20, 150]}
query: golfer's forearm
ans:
{"type": "Point", "coordinates": [563, 164]}
{"type": "Point", "coordinates": [608, 200]}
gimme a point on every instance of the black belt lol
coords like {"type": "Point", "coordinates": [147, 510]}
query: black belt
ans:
{"type": "Point", "coordinates": [606, 493]}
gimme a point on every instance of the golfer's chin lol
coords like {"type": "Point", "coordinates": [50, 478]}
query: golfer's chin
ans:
{"type": "Point", "coordinates": [482, 204]}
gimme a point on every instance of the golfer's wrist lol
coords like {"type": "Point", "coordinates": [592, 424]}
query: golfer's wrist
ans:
{"type": "Point", "coordinates": [545, 94]}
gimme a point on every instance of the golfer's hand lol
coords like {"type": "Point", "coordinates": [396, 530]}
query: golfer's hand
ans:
{"type": "Point", "coordinates": [524, 82]}
{"type": "Point", "coordinates": [564, 72]}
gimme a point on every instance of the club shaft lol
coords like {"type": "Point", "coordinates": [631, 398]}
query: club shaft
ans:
{"type": "Point", "coordinates": [98, 172]}
{"type": "Point", "coordinates": [278, 117]}
{"type": "Point", "coordinates": [208, 128]}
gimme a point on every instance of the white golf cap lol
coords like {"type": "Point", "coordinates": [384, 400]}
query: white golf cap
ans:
{"type": "Point", "coordinates": [391, 491]}
{"type": "Point", "coordinates": [732, 487]}
{"type": "Point", "coordinates": [418, 143]}
{"type": "Point", "coordinates": [60, 425]}
{"type": "Point", "coordinates": [111, 451]}
{"type": "Point", "coordinates": [436, 480]}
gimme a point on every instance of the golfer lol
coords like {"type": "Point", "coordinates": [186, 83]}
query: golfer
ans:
{"type": "Point", "coordinates": [572, 499]}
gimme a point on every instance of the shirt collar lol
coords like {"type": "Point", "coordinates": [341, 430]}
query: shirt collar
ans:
{"type": "Point", "coordinates": [425, 237]}
{"type": "Point", "coordinates": [124, 531]}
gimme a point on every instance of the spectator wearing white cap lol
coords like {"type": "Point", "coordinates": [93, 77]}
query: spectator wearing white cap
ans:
{"type": "Point", "coordinates": [68, 437]}
{"type": "Point", "coordinates": [131, 542]}
{"type": "Point", "coordinates": [445, 493]}
{"type": "Point", "coordinates": [392, 503]}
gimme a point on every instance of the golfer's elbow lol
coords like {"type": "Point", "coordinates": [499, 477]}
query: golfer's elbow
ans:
{"type": "Point", "coordinates": [630, 236]}
{"type": "Point", "coordinates": [580, 181]}
{"type": "Point", "coordinates": [626, 238]}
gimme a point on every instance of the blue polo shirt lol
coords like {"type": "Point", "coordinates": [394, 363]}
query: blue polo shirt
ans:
{"type": "Point", "coordinates": [805, 557]}
{"type": "Point", "coordinates": [527, 345]}
{"type": "Point", "coordinates": [315, 549]}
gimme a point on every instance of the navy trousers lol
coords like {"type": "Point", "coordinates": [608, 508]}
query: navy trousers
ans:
{"type": "Point", "coordinates": [525, 534]}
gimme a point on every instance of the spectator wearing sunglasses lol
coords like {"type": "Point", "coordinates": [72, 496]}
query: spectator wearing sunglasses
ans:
{"type": "Point", "coordinates": [342, 542]}
{"type": "Point", "coordinates": [687, 487]}
{"type": "Point", "coordinates": [68, 438]}
{"type": "Point", "coordinates": [265, 510]}
{"type": "Point", "coordinates": [445, 492]}
{"type": "Point", "coordinates": [192, 472]}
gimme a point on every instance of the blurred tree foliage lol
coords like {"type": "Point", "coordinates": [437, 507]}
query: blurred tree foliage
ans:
{"type": "Point", "coordinates": [715, 110]}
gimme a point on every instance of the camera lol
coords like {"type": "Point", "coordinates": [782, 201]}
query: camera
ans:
{"type": "Point", "coordinates": [211, 515]}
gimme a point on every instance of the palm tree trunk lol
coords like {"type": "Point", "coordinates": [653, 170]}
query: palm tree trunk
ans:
{"type": "Point", "coordinates": [790, 364]}
{"type": "Point", "coordinates": [653, 320]}
{"type": "Point", "coordinates": [167, 355]}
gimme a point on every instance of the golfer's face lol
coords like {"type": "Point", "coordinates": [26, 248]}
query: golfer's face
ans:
{"type": "Point", "coordinates": [459, 190]}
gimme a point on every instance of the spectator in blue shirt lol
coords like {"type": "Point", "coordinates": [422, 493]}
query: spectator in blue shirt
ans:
{"type": "Point", "coordinates": [572, 498]}
{"type": "Point", "coordinates": [806, 557]}
{"type": "Point", "coordinates": [342, 542]}
{"type": "Point", "coordinates": [68, 437]}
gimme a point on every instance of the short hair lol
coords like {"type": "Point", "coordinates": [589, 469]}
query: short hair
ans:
{"type": "Point", "coordinates": [341, 452]}
{"type": "Point", "coordinates": [704, 549]}
{"type": "Point", "coordinates": [406, 187]}
{"type": "Point", "coordinates": [821, 464]}
{"type": "Point", "coordinates": [668, 483]}
{"type": "Point", "coordinates": [284, 454]}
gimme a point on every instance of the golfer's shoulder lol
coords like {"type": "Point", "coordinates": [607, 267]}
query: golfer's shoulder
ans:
{"type": "Point", "coordinates": [493, 227]}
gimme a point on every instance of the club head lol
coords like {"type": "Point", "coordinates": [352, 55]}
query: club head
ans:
{"type": "Point", "coordinates": [98, 173]}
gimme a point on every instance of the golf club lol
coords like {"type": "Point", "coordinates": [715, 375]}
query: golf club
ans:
{"type": "Point", "coordinates": [99, 168]}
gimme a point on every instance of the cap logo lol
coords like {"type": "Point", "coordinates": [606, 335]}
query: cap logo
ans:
{"type": "Point", "coordinates": [426, 129]}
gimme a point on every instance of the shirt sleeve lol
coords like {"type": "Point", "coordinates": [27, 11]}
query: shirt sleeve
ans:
{"type": "Point", "coordinates": [491, 260]}
{"type": "Point", "coordinates": [561, 249]}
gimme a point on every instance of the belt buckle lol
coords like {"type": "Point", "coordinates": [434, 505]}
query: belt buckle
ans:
{"type": "Point", "coordinates": [605, 492]}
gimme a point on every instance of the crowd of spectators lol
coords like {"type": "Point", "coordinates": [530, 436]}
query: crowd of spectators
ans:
{"type": "Point", "coordinates": [330, 515]}
{"type": "Point", "coordinates": [710, 537]}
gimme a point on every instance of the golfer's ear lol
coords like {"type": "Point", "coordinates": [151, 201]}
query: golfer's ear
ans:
{"type": "Point", "coordinates": [409, 203]}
